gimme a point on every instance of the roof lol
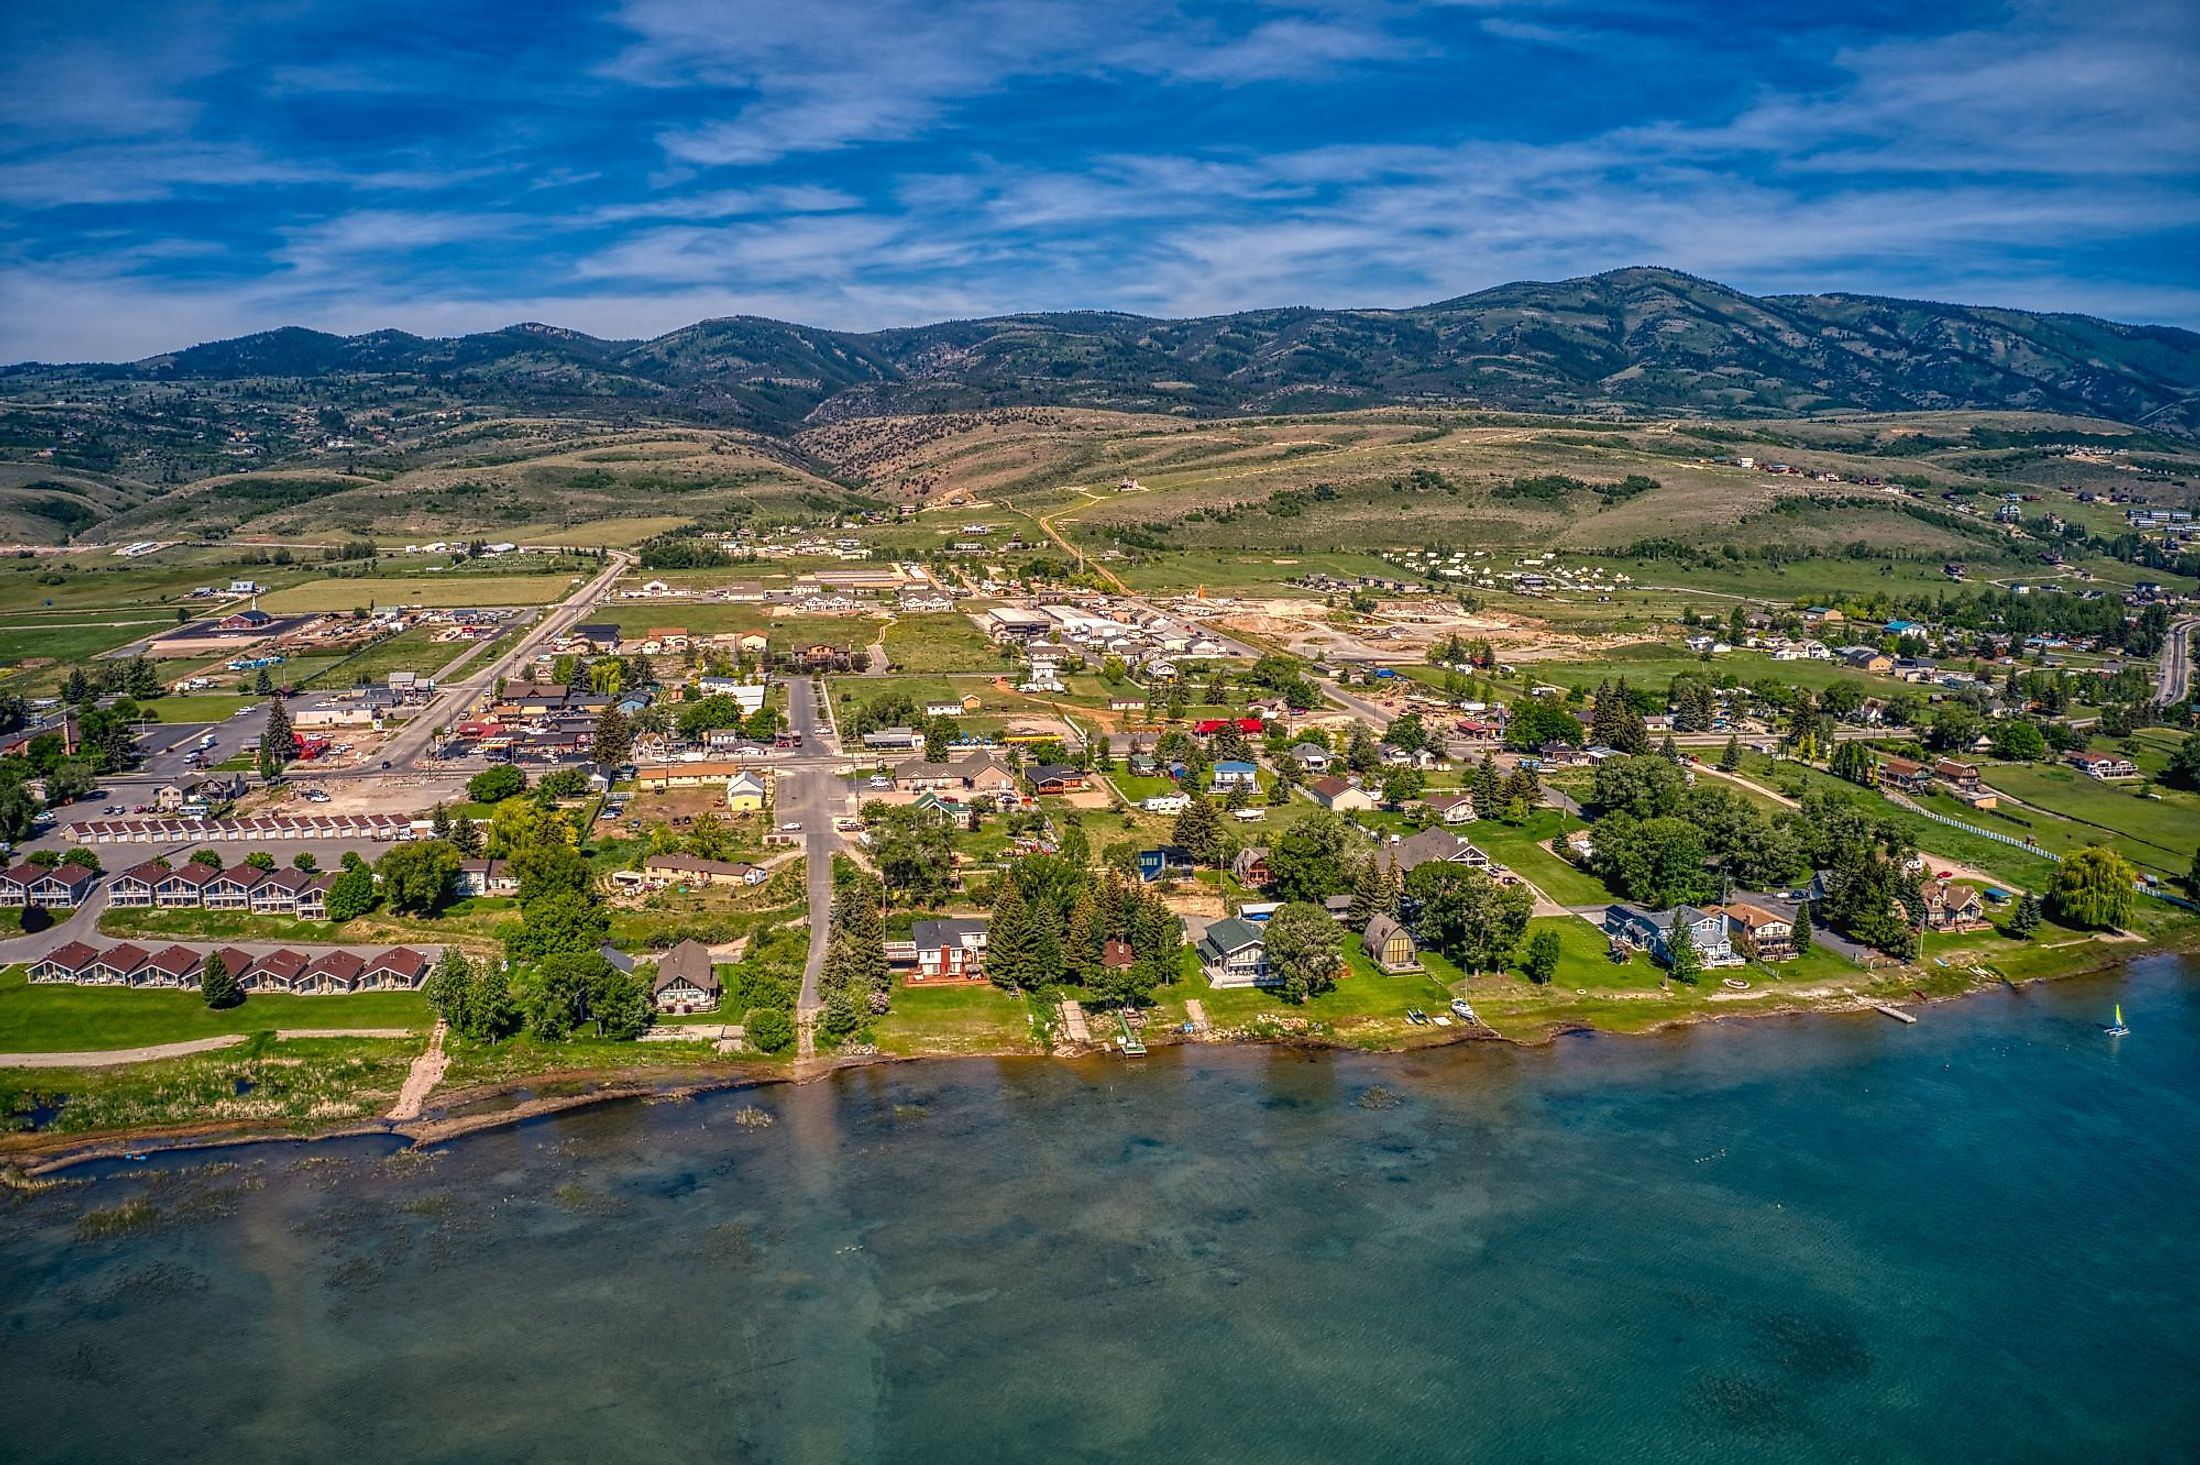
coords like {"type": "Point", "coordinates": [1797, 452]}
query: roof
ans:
{"type": "Point", "coordinates": [1751, 916]}
{"type": "Point", "coordinates": [124, 957]}
{"type": "Point", "coordinates": [688, 962]}
{"type": "Point", "coordinates": [948, 931]}
{"type": "Point", "coordinates": [1234, 765]}
{"type": "Point", "coordinates": [1116, 953]}
{"type": "Point", "coordinates": [1055, 772]}
{"type": "Point", "coordinates": [401, 959]}
{"type": "Point", "coordinates": [1231, 933]}
{"type": "Point", "coordinates": [176, 961]}
{"type": "Point", "coordinates": [74, 955]}
{"type": "Point", "coordinates": [1429, 845]}
{"type": "Point", "coordinates": [1378, 934]}
{"type": "Point", "coordinates": [1329, 787]}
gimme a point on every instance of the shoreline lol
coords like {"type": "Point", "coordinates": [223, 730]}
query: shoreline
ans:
{"type": "Point", "coordinates": [36, 1162]}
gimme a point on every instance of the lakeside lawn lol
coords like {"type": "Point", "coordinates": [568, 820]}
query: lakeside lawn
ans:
{"type": "Point", "coordinates": [66, 1019]}
{"type": "Point", "coordinates": [303, 1084]}
{"type": "Point", "coordinates": [955, 1019]}
{"type": "Point", "coordinates": [2158, 832]}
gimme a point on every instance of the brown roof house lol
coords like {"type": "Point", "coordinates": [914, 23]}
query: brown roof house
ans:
{"type": "Point", "coordinates": [686, 980]}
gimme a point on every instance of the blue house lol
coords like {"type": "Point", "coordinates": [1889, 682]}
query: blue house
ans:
{"type": "Point", "coordinates": [1231, 773]}
{"type": "Point", "coordinates": [1163, 862]}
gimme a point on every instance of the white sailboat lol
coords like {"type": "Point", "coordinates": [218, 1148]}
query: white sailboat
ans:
{"type": "Point", "coordinates": [2117, 1029]}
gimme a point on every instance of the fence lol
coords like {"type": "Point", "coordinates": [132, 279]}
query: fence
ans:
{"type": "Point", "coordinates": [1901, 801]}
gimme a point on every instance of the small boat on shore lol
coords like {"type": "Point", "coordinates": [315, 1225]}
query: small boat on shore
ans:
{"type": "Point", "coordinates": [2118, 1028]}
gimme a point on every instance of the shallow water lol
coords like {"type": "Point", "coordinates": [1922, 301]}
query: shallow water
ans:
{"type": "Point", "coordinates": [1786, 1240]}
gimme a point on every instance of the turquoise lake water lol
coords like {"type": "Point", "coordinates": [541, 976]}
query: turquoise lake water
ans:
{"type": "Point", "coordinates": [1830, 1239]}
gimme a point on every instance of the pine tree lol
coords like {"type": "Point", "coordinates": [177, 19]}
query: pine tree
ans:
{"type": "Point", "coordinates": [613, 740]}
{"type": "Point", "coordinates": [1086, 939]}
{"type": "Point", "coordinates": [1012, 946]}
{"type": "Point", "coordinates": [1370, 896]}
{"type": "Point", "coordinates": [217, 983]}
{"type": "Point", "coordinates": [1488, 790]}
{"type": "Point", "coordinates": [1802, 937]}
{"type": "Point", "coordinates": [1731, 760]}
{"type": "Point", "coordinates": [1394, 890]}
{"type": "Point", "coordinates": [1668, 751]}
{"type": "Point", "coordinates": [439, 823]}
{"type": "Point", "coordinates": [1682, 958]}
{"type": "Point", "coordinates": [2024, 922]}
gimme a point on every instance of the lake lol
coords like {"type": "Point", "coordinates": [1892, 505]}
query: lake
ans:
{"type": "Point", "coordinates": [1809, 1239]}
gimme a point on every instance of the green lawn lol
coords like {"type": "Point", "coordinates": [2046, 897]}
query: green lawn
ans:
{"type": "Point", "coordinates": [940, 642]}
{"type": "Point", "coordinates": [304, 1084]}
{"type": "Point", "coordinates": [62, 1019]}
{"type": "Point", "coordinates": [1519, 847]}
{"type": "Point", "coordinates": [206, 707]}
{"type": "Point", "coordinates": [414, 650]}
{"type": "Point", "coordinates": [2158, 833]}
{"type": "Point", "coordinates": [971, 1017]}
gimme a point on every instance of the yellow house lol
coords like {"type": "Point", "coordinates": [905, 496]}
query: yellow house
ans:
{"type": "Point", "coordinates": [745, 794]}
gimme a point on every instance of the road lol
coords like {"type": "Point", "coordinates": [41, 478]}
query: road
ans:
{"type": "Point", "coordinates": [454, 699]}
{"type": "Point", "coordinates": [2177, 660]}
{"type": "Point", "coordinates": [812, 790]}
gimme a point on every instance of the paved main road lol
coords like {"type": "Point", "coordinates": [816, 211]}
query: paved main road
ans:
{"type": "Point", "coordinates": [812, 791]}
{"type": "Point", "coordinates": [2177, 660]}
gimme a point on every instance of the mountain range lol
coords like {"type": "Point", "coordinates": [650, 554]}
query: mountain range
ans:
{"type": "Point", "coordinates": [1633, 341]}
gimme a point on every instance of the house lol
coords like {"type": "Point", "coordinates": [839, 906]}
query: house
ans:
{"type": "Point", "coordinates": [1056, 778]}
{"type": "Point", "coordinates": [1867, 658]}
{"type": "Point", "coordinates": [1952, 907]}
{"type": "Point", "coordinates": [746, 793]}
{"type": "Point", "coordinates": [313, 896]}
{"type": "Point", "coordinates": [117, 966]}
{"type": "Point", "coordinates": [1904, 773]}
{"type": "Point", "coordinates": [183, 886]}
{"type": "Point", "coordinates": [950, 949]}
{"type": "Point", "coordinates": [1163, 862]}
{"type": "Point", "coordinates": [1390, 946]}
{"type": "Point", "coordinates": [1754, 931]}
{"type": "Point", "coordinates": [278, 971]}
{"type": "Point", "coordinates": [1117, 955]}
{"type": "Point", "coordinates": [988, 777]}
{"type": "Point", "coordinates": [333, 971]}
{"type": "Point", "coordinates": [1311, 757]}
{"type": "Point", "coordinates": [1249, 866]}
{"type": "Point", "coordinates": [231, 889]}
{"type": "Point", "coordinates": [1233, 773]}
{"type": "Point", "coordinates": [1960, 777]}
{"type": "Point", "coordinates": [58, 888]}
{"type": "Point", "coordinates": [686, 981]}
{"type": "Point", "coordinates": [1652, 931]}
{"type": "Point", "coordinates": [134, 888]}
{"type": "Point", "coordinates": [399, 969]}
{"type": "Point", "coordinates": [1334, 793]}
{"type": "Point", "coordinates": [486, 877]}
{"type": "Point", "coordinates": [171, 966]}
{"type": "Point", "coordinates": [1435, 846]}
{"type": "Point", "coordinates": [65, 963]}
{"type": "Point", "coordinates": [2104, 765]}
{"type": "Point", "coordinates": [1455, 808]}
{"type": "Point", "coordinates": [277, 895]}
{"type": "Point", "coordinates": [1234, 953]}
{"type": "Point", "coordinates": [893, 740]}
{"type": "Point", "coordinates": [663, 870]}
{"type": "Point", "coordinates": [953, 706]}
{"type": "Point", "coordinates": [604, 638]}
{"type": "Point", "coordinates": [1166, 803]}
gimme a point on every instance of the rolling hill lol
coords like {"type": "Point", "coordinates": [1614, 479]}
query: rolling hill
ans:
{"type": "Point", "coordinates": [1641, 341]}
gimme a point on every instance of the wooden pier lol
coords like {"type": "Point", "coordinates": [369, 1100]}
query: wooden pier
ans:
{"type": "Point", "coordinates": [1888, 1009]}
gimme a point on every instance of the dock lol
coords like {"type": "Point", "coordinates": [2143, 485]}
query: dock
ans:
{"type": "Point", "coordinates": [1133, 1045]}
{"type": "Point", "coordinates": [1888, 1009]}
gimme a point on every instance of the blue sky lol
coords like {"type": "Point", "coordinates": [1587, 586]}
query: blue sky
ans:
{"type": "Point", "coordinates": [177, 172]}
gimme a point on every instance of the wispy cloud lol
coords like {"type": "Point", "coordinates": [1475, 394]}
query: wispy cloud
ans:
{"type": "Point", "coordinates": [861, 163]}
